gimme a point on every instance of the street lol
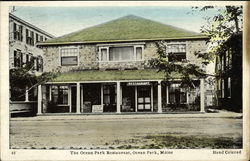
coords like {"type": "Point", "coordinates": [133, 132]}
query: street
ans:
{"type": "Point", "coordinates": [123, 132]}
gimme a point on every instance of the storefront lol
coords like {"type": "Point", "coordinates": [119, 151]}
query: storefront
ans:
{"type": "Point", "coordinates": [116, 97]}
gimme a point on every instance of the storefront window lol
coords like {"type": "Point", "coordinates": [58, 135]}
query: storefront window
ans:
{"type": "Point", "coordinates": [59, 94]}
{"type": "Point", "coordinates": [177, 95]}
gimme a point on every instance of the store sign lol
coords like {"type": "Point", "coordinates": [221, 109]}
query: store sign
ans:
{"type": "Point", "coordinates": [97, 108]}
{"type": "Point", "coordinates": [138, 83]}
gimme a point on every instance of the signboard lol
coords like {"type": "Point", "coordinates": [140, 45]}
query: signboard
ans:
{"type": "Point", "coordinates": [97, 108]}
{"type": "Point", "coordinates": [138, 83]}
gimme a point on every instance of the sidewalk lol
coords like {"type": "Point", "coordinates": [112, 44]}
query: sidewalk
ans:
{"type": "Point", "coordinates": [110, 116]}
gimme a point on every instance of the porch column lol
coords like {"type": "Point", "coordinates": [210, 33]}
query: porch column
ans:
{"type": "Point", "coordinates": [136, 99]}
{"type": "Point", "coordinates": [78, 98]}
{"type": "Point", "coordinates": [26, 94]}
{"type": "Point", "coordinates": [167, 94]}
{"type": "Point", "coordinates": [39, 100]}
{"type": "Point", "coordinates": [202, 95]}
{"type": "Point", "coordinates": [69, 99]}
{"type": "Point", "coordinates": [118, 97]}
{"type": "Point", "coordinates": [152, 98]}
{"type": "Point", "coordinates": [159, 98]}
{"type": "Point", "coordinates": [102, 95]}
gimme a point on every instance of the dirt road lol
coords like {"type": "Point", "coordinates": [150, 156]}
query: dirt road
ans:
{"type": "Point", "coordinates": [107, 134]}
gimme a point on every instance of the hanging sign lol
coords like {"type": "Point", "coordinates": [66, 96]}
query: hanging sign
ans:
{"type": "Point", "coordinates": [138, 83]}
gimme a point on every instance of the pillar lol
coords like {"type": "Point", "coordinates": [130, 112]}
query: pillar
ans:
{"type": "Point", "coordinates": [39, 99]}
{"type": "Point", "coordinates": [136, 99]}
{"type": "Point", "coordinates": [78, 98]}
{"type": "Point", "coordinates": [152, 98]}
{"type": "Point", "coordinates": [102, 95]}
{"type": "Point", "coordinates": [159, 98]}
{"type": "Point", "coordinates": [118, 97]}
{"type": "Point", "coordinates": [26, 94]}
{"type": "Point", "coordinates": [167, 94]}
{"type": "Point", "coordinates": [202, 95]}
{"type": "Point", "coordinates": [69, 99]}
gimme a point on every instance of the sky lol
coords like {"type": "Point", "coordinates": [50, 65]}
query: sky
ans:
{"type": "Point", "coordinates": [59, 21]}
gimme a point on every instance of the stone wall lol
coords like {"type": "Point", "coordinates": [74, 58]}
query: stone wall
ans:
{"type": "Point", "coordinates": [89, 57]}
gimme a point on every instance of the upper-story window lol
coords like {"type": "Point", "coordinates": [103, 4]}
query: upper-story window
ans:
{"type": "Point", "coordinates": [121, 53]}
{"type": "Point", "coordinates": [41, 38]}
{"type": "Point", "coordinates": [176, 52]}
{"type": "Point", "coordinates": [18, 58]}
{"type": "Point", "coordinates": [69, 56]}
{"type": "Point", "coordinates": [29, 37]}
{"type": "Point", "coordinates": [18, 32]}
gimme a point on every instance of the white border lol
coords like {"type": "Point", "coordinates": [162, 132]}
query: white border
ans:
{"type": "Point", "coordinates": [188, 154]}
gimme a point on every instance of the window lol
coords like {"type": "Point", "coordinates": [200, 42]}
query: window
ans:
{"type": "Point", "coordinates": [41, 38]}
{"type": "Point", "coordinates": [69, 56]}
{"type": "Point", "coordinates": [104, 54]}
{"type": "Point", "coordinates": [176, 52]}
{"type": "Point", "coordinates": [222, 63]}
{"type": "Point", "coordinates": [121, 53]}
{"type": "Point", "coordinates": [40, 64]}
{"type": "Point", "coordinates": [177, 95]}
{"type": "Point", "coordinates": [37, 38]}
{"type": "Point", "coordinates": [230, 58]}
{"type": "Point", "coordinates": [222, 88]}
{"type": "Point", "coordinates": [29, 37]}
{"type": "Point", "coordinates": [18, 58]}
{"type": "Point", "coordinates": [59, 94]}
{"type": "Point", "coordinates": [229, 87]}
{"type": "Point", "coordinates": [18, 32]}
{"type": "Point", "coordinates": [109, 94]}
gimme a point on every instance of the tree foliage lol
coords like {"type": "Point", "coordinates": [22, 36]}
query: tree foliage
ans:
{"type": "Point", "coordinates": [218, 28]}
{"type": "Point", "coordinates": [24, 78]}
{"type": "Point", "coordinates": [226, 23]}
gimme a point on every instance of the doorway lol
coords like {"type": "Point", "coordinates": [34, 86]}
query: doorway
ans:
{"type": "Point", "coordinates": [143, 98]}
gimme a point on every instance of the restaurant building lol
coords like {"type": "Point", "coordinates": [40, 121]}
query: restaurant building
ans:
{"type": "Point", "coordinates": [106, 69]}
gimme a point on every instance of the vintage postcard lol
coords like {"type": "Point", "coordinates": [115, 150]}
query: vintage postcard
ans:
{"type": "Point", "coordinates": [133, 80]}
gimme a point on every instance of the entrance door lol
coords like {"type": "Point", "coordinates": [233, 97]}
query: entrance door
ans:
{"type": "Point", "coordinates": [73, 99]}
{"type": "Point", "coordinates": [143, 98]}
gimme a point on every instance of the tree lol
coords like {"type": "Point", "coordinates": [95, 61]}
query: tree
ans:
{"type": "Point", "coordinates": [226, 23]}
{"type": "Point", "coordinates": [219, 28]}
{"type": "Point", "coordinates": [25, 79]}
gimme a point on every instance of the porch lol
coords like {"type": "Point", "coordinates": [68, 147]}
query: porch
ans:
{"type": "Point", "coordinates": [126, 97]}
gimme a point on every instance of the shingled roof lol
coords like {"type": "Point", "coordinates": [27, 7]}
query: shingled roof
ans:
{"type": "Point", "coordinates": [128, 28]}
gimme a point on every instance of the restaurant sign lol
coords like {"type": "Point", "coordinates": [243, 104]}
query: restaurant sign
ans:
{"type": "Point", "coordinates": [138, 83]}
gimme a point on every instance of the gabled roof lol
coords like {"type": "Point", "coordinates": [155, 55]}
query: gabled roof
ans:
{"type": "Point", "coordinates": [128, 28]}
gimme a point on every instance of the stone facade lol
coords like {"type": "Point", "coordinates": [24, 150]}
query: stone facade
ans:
{"type": "Point", "coordinates": [89, 56]}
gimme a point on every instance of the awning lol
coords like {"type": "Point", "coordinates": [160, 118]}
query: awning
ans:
{"type": "Point", "coordinates": [111, 75]}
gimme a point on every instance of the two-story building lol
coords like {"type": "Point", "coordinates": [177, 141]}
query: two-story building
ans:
{"type": "Point", "coordinates": [105, 68]}
{"type": "Point", "coordinates": [229, 74]}
{"type": "Point", "coordinates": [23, 37]}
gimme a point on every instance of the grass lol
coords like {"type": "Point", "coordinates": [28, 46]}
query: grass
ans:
{"type": "Point", "coordinates": [187, 142]}
{"type": "Point", "coordinates": [126, 28]}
